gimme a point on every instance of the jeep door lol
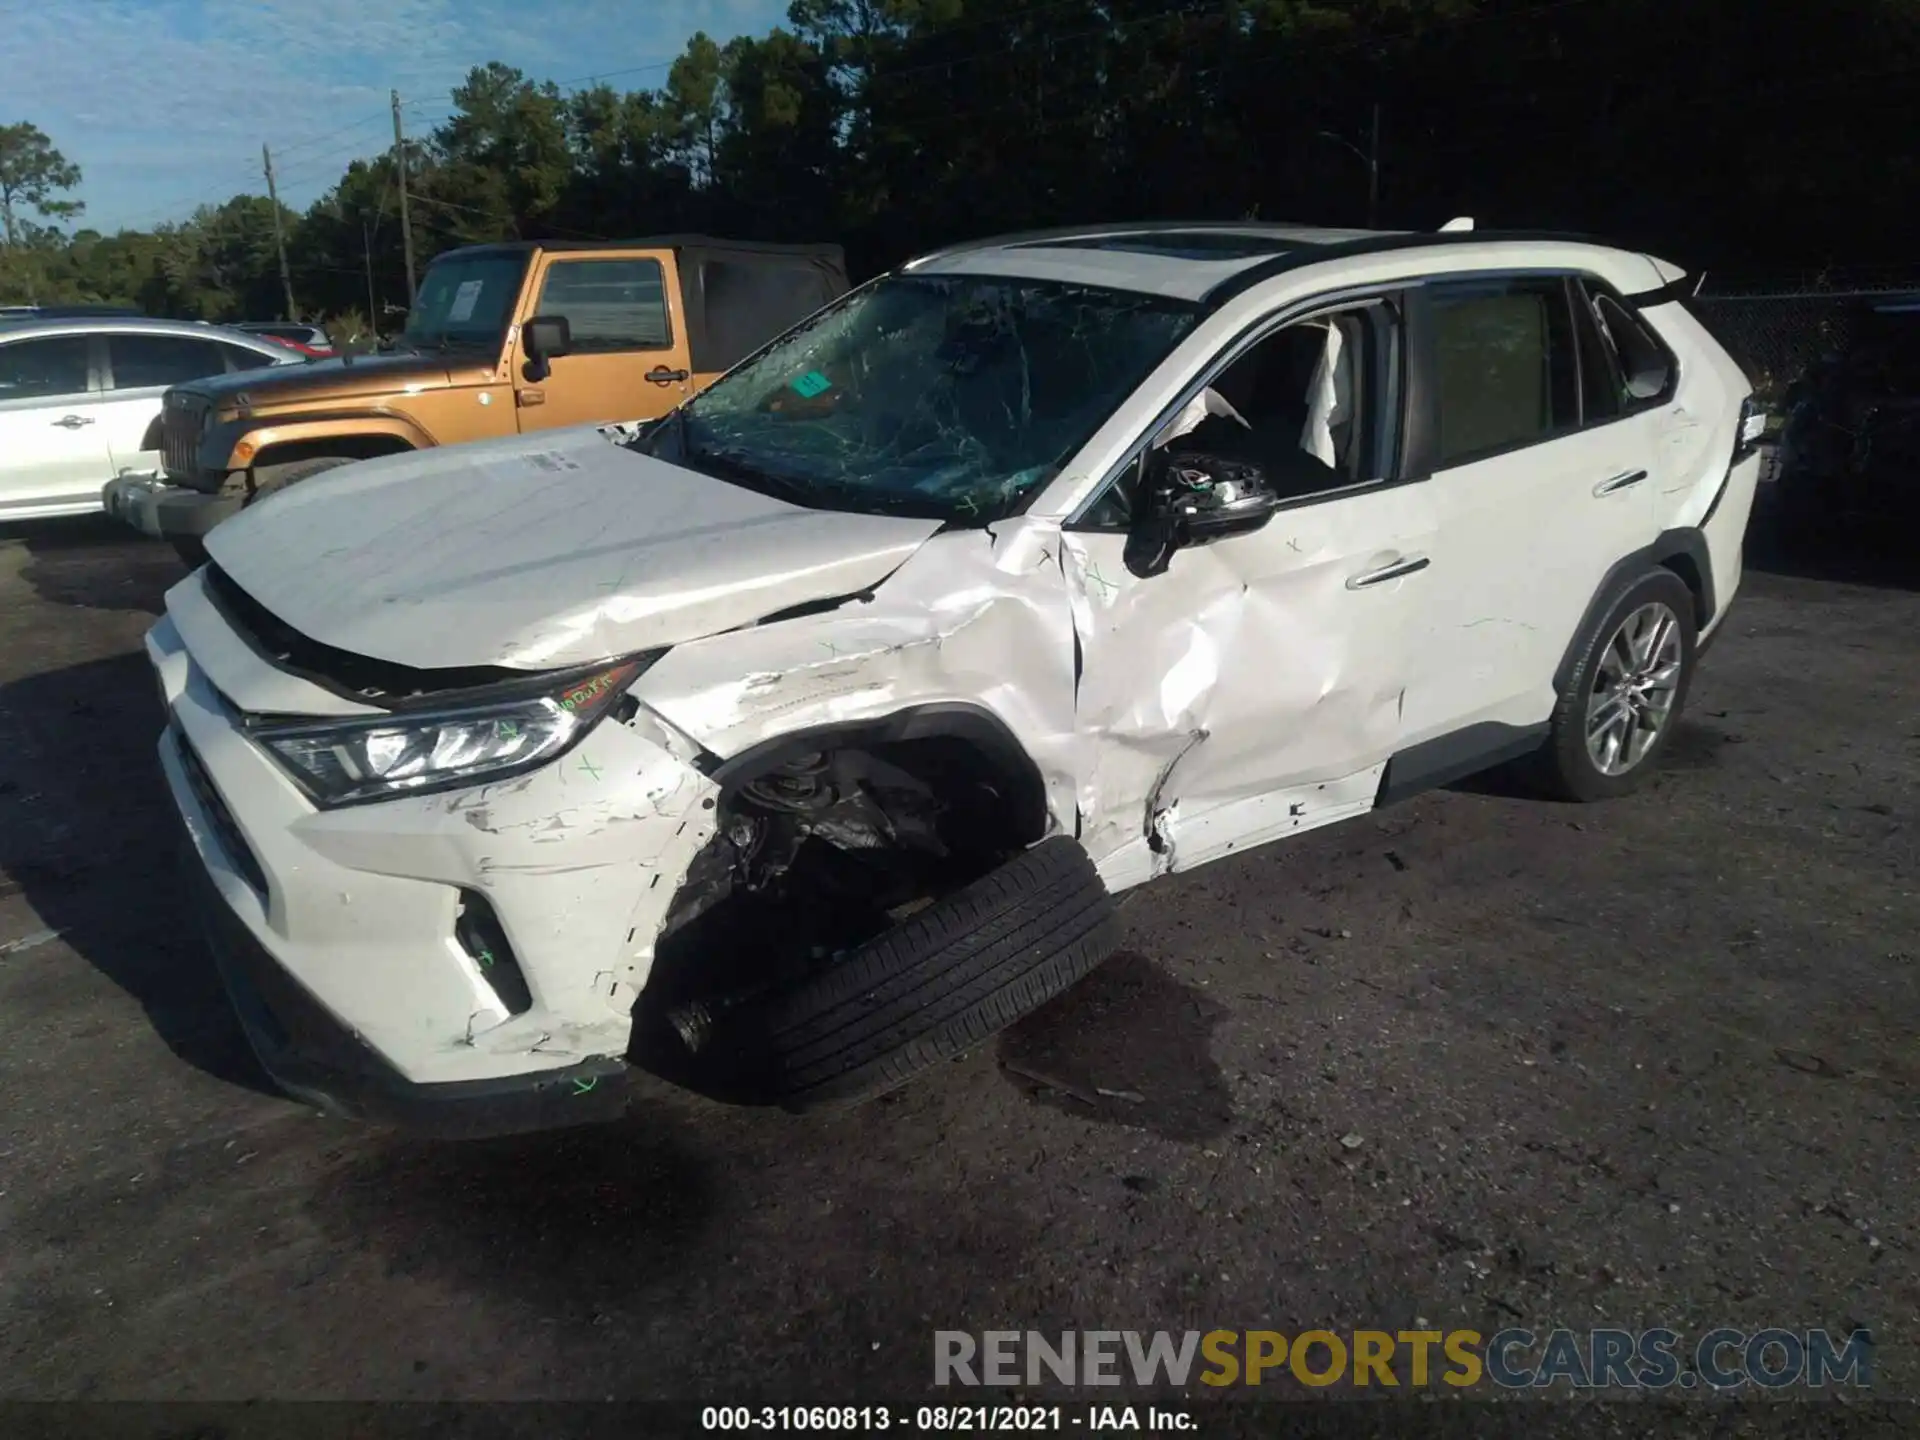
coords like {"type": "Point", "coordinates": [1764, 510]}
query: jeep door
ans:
{"type": "Point", "coordinates": [1254, 688]}
{"type": "Point", "coordinates": [1540, 482]}
{"type": "Point", "coordinates": [628, 357]}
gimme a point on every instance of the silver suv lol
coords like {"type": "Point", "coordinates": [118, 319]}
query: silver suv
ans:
{"type": "Point", "coordinates": [79, 395]}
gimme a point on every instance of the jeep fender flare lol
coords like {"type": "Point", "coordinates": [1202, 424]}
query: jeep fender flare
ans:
{"type": "Point", "coordinates": [296, 437]}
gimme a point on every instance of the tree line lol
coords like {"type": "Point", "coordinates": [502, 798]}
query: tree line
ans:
{"type": "Point", "coordinates": [1720, 134]}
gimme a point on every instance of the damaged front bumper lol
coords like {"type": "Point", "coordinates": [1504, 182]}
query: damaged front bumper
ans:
{"type": "Point", "coordinates": [148, 502]}
{"type": "Point", "coordinates": [464, 962]}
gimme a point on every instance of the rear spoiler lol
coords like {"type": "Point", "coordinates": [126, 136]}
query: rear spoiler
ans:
{"type": "Point", "coordinates": [1667, 294]}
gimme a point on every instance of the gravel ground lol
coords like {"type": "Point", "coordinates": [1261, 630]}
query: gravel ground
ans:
{"type": "Point", "coordinates": [1477, 1061]}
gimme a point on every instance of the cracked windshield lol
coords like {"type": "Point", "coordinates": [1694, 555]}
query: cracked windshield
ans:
{"type": "Point", "coordinates": [951, 397]}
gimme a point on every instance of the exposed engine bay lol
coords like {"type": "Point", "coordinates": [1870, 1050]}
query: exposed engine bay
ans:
{"type": "Point", "coordinates": [812, 858]}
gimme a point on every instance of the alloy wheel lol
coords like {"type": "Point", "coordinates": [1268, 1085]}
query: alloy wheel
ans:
{"type": "Point", "coordinates": [1634, 688]}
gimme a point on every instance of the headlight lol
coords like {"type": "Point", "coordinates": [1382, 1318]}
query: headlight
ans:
{"type": "Point", "coordinates": [349, 762]}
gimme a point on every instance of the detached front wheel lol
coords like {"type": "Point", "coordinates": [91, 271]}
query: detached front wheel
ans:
{"type": "Point", "coordinates": [934, 986]}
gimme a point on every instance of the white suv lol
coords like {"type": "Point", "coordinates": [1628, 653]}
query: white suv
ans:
{"type": "Point", "coordinates": [803, 738]}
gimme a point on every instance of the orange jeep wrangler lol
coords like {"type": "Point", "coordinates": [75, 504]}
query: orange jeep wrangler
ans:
{"type": "Point", "coordinates": [502, 339]}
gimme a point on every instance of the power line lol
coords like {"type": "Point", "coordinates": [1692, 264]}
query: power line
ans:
{"type": "Point", "coordinates": [311, 140]}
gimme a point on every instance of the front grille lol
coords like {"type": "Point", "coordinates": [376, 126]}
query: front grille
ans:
{"type": "Point", "coordinates": [180, 423]}
{"type": "Point", "coordinates": [238, 852]}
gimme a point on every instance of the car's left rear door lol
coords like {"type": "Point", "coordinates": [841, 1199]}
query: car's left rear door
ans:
{"type": "Point", "coordinates": [1540, 485]}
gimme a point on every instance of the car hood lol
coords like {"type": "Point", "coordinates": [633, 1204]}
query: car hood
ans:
{"type": "Point", "coordinates": [535, 553]}
{"type": "Point", "coordinates": [337, 378]}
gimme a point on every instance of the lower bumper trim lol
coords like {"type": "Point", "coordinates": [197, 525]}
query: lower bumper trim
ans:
{"type": "Point", "coordinates": [165, 511]}
{"type": "Point", "coordinates": [320, 1061]}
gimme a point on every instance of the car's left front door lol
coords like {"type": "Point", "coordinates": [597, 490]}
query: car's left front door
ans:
{"type": "Point", "coordinates": [52, 445]}
{"type": "Point", "coordinates": [1253, 689]}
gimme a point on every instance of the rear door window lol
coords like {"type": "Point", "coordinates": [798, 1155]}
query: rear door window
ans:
{"type": "Point", "coordinates": [609, 305]}
{"type": "Point", "coordinates": [153, 362]}
{"type": "Point", "coordinates": [1505, 367]}
{"type": "Point", "coordinates": [42, 369]}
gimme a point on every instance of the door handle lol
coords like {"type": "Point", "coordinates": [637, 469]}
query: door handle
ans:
{"type": "Point", "coordinates": [1619, 482]}
{"type": "Point", "coordinates": [524, 398]}
{"type": "Point", "coordinates": [73, 422]}
{"type": "Point", "coordinates": [660, 375]}
{"type": "Point", "coordinates": [1406, 565]}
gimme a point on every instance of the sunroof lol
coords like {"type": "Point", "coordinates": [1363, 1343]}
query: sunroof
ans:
{"type": "Point", "coordinates": [1179, 244]}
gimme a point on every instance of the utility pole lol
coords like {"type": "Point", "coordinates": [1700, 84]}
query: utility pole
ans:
{"type": "Point", "coordinates": [406, 220]}
{"type": "Point", "coordinates": [1373, 172]}
{"type": "Point", "coordinates": [279, 235]}
{"type": "Point", "coordinates": [373, 305]}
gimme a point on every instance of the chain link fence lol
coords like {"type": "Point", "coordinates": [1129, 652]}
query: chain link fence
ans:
{"type": "Point", "coordinates": [1776, 328]}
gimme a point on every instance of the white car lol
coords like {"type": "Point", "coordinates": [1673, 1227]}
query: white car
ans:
{"type": "Point", "coordinates": [802, 739]}
{"type": "Point", "coordinates": [79, 396]}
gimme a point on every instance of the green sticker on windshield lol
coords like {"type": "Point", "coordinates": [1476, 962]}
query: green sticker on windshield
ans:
{"type": "Point", "coordinates": [811, 384]}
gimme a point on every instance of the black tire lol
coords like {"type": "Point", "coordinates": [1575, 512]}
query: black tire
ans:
{"type": "Point", "coordinates": [936, 985]}
{"type": "Point", "coordinates": [1565, 769]}
{"type": "Point", "coordinates": [294, 474]}
{"type": "Point", "coordinates": [191, 549]}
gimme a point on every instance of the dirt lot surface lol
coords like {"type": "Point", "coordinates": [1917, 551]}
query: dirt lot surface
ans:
{"type": "Point", "coordinates": [1474, 1061]}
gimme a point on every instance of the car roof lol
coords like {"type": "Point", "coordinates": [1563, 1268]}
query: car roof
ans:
{"type": "Point", "coordinates": [12, 329]}
{"type": "Point", "coordinates": [1208, 261]}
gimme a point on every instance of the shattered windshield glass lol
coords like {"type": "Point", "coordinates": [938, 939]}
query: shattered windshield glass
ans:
{"type": "Point", "coordinates": [950, 397]}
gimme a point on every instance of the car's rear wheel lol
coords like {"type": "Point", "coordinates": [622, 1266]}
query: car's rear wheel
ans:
{"type": "Point", "coordinates": [938, 983]}
{"type": "Point", "coordinates": [1625, 694]}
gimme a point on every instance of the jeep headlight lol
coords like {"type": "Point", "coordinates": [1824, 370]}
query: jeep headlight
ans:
{"type": "Point", "coordinates": [381, 757]}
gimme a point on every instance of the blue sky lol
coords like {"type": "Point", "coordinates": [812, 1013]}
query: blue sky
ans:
{"type": "Point", "coordinates": [164, 103]}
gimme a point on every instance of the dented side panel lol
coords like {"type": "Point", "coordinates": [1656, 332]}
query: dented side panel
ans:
{"type": "Point", "coordinates": [1249, 668]}
{"type": "Point", "coordinates": [975, 617]}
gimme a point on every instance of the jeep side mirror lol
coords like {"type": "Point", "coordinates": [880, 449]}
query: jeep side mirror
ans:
{"type": "Point", "coordinates": [545, 338]}
{"type": "Point", "coordinates": [1194, 500]}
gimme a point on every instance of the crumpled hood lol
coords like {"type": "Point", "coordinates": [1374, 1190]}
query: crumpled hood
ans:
{"type": "Point", "coordinates": [538, 552]}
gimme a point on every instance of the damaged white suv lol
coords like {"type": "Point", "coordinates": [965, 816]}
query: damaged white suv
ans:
{"type": "Point", "coordinates": [802, 739]}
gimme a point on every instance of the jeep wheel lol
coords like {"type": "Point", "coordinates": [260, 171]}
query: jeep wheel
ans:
{"type": "Point", "coordinates": [1625, 694]}
{"type": "Point", "coordinates": [934, 986]}
{"type": "Point", "coordinates": [293, 474]}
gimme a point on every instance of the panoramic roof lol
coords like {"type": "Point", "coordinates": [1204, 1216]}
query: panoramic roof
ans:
{"type": "Point", "coordinates": [1179, 261]}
